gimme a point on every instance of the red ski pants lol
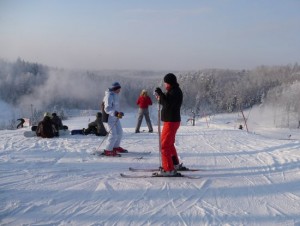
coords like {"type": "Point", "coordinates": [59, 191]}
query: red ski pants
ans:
{"type": "Point", "coordinates": [168, 151]}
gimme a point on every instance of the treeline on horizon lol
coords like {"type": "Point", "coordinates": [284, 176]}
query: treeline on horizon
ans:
{"type": "Point", "coordinates": [206, 92]}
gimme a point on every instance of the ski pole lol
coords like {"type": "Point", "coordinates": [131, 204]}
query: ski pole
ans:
{"type": "Point", "coordinates": [159, 135]}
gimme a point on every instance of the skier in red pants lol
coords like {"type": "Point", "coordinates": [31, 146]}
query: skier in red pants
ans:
{"type": "Point", "coordinates": [170, 115]}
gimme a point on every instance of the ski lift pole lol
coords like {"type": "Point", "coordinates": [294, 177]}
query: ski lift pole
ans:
{"type": "Point", "coordinates": [206, 121]}
{"type": "Point", "coordinates": [205, 116]}
{"type": "Point", "coordinates": [194, 118]}
{"type": "Point", "coordinates": [245, 120]}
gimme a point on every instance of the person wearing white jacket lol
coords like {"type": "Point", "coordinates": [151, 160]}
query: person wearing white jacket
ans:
{"type": "Point", "coordinates": [111, 116]}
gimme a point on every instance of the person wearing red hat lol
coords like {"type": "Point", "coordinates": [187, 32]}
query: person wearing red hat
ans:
{"type": "Point", "coordinates": [170, 115]}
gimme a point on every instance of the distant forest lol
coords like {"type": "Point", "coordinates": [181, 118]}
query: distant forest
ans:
{"type": "Point", "coordinates": [31, 85]}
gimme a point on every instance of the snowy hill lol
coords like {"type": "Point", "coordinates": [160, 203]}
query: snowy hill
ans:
{"type": "Point", "coordinates": [247, 178]}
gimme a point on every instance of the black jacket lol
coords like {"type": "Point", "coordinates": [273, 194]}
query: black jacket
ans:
{"type": "Point", "coordinates": [171, 104]}
{"type": "Point", "coordinates": [57, 122]}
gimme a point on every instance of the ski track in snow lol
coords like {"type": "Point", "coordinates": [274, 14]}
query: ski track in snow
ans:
{"type": "Point", "coordinates": [247, 179]}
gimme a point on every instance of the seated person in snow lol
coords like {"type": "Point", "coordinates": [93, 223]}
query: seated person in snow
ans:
{"type": "Point", "coordinates": [96, 127]}
{"type": "Point", "coordinates": [46, 128]}
{"type": "Point", "coordinates": [57, 122]}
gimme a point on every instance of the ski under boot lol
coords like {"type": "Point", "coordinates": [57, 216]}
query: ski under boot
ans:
{"type": "Point", "coordinates": [163, 173]}
{"type": "Point", "coordinates": [112, 153]}
{"type": "Point", "coordinates": [120, 150]}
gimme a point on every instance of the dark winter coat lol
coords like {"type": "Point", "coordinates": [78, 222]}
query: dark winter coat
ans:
{"type": "Point", "coordinates": [171, 103]}
{"type": "Point", "coordinates": [46, 128]}
{"type": "Point", "coordinates": [57, 122]}
{"type": "Point", "coordinates": [21, 120]}
{"type": "Point", "coordinates": [97, 126]}
{"type": "Point", "coordinates": [20, 125]}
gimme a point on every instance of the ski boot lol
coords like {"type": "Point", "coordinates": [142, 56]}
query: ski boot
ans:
{"type": "Point", "coordinates": [180, 167]}
{"type": "Point", "coordinates": [112, 153]}
{"type": "Point", "coordinates": [120, 150]}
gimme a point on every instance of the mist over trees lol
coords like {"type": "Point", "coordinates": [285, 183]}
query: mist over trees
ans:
{"type": "Point", "coordinates": [34, 86]}
{"type": "Point", "coordinates": [216, 91]}
{"type": "Point", "coordinates": [285, 103]}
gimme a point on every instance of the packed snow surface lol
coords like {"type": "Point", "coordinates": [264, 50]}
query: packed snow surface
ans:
{"type": "Point", "coordinates": [247, 178]}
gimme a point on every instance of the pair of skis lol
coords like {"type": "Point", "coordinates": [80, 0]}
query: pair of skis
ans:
{"type": "Point", "coordinates": [155, 174]}
{"type": "Point", "coordinates": [138, 155]}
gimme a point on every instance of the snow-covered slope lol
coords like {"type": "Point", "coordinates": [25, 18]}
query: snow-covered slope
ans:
{"type": "Point", "coordinates": [247, 178]}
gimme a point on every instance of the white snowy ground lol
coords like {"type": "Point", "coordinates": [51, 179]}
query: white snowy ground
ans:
{"type": "Point", "coordinates": [249, 178]}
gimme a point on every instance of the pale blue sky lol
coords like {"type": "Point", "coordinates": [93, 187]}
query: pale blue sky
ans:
{"type": "Point", "coordinates": [151, 34]}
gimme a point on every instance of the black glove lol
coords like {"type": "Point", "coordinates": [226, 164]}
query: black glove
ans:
{"type": "Point", "coordinates": [119, 114]}
{"type": "Point", "coordinates": [158, 91]}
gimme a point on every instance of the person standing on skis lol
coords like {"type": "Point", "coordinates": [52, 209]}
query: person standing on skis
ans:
{"type": "Point", "coordinates": [170, 115]}
{"type": "Point", "coordinates": [143, 101]}
{"type": "Point", "coordinates": [111, 116]}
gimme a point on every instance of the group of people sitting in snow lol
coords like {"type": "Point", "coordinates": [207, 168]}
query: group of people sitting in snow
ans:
{"type": "Point", "coordinates": [50, 126]}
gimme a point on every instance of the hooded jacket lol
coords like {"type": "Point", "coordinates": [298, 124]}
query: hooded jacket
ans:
{"type": "Point", "coordinates": [110, 103]}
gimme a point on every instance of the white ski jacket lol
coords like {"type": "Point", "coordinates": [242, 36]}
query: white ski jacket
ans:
{"type": "Point", "coordinates": [111, 103]}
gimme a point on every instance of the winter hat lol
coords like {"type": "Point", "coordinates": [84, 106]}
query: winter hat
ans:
{"type": "Point", "coordinates": [47, 114]}
{"type": "Point", "coordinates": [99, 115]}
{"type": "Point", "coordinates": [115, 86]}
{"type": "Point", "coordinates": [170, 79]}
{"type": "Point", "coordinates": [54, 114]}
